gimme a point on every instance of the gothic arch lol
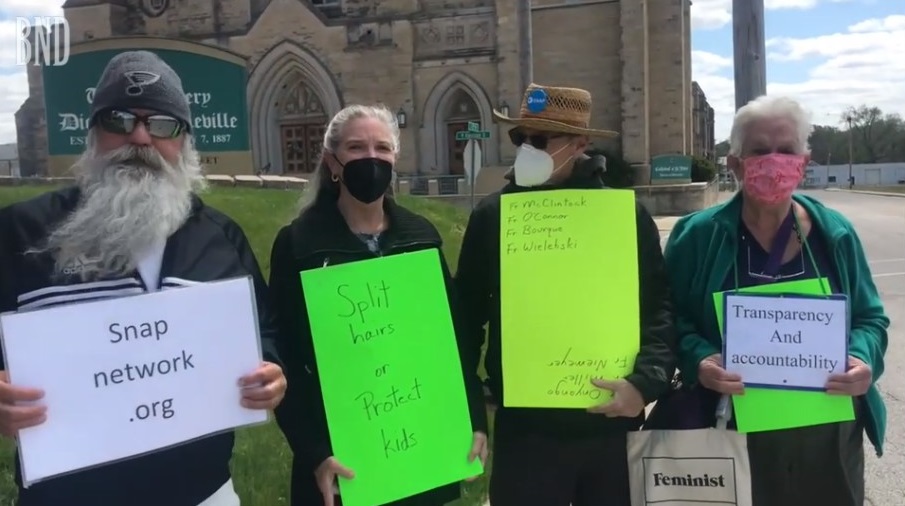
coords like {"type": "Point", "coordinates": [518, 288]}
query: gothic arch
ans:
{"type": "Point", "coordinates": [280, 67]}
{"type": "Point", "coordinates": [434, 140]}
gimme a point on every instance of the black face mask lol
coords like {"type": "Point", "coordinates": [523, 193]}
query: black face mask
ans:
{"type": "Point", "coordinates": [367, 179]}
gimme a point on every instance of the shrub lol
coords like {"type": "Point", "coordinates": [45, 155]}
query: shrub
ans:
{"type": "Point", "coordinates": [703, 170]}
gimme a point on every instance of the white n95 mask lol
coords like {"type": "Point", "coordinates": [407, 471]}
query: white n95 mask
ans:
{"type": "Point", "coordinates": [532, 166]}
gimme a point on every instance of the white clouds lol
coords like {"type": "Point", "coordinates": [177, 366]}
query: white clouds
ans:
{"type": "Point", "coordinates": [710, 14]}
{"type": "Point", "coordinates": [889, 23]}
{"type": "Point", "coordinates": [859, 66]}
{"type": "Point", "coordinates": [13, 83]}
{"type": "Point", "coordinates": [13, 8]}
{"type": "Point", "coordinates": [709, 63]}
{"type": "Point", "coordinates": [714, 14]}
{"type": "Point", "coordinates": [13, 91]}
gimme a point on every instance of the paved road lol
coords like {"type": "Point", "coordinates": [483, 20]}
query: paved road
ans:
{"type": "Point", "coordinates": [880, 222]}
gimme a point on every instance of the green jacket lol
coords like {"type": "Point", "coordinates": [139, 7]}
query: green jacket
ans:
{"type": "Point", "coordinates": [700, 253]}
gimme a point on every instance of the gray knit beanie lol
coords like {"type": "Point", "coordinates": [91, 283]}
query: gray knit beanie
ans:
{"type": "Point", "coordinates": [141, 80]}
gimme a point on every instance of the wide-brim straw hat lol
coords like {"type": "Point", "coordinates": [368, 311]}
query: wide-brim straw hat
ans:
{"type": "Point", "coordinates": [556, 109]}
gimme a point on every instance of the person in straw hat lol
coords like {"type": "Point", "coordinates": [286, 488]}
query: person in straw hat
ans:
{"type": "Point", "coordinates": [556, 457]}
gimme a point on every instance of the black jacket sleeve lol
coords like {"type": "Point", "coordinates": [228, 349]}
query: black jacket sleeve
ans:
{"type": "Point", "coordinates": [655, 364]}
{"type": "Point", "coordinates": [468, 355]}
{"type": "Point", "coordinates": [301, 415]}
{"type": "Point", "coordinates": [473, 281]}
{"type": "Point", "coordinates": [266, 321]}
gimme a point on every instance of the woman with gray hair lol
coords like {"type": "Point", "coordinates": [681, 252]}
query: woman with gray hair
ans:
{"type": "Point", "coordinates": [765, 235]}
{"type": "Point", "coordinates": [349, 216]}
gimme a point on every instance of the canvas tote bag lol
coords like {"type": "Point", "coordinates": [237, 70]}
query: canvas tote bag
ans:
{"type": "Point", "coordinates": [695, 467]}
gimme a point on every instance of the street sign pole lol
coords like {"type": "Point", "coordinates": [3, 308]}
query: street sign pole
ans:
{"type": "Point", "coordinates": [474, 167]}
{"type": "Point", "coordinates": [474, 134]}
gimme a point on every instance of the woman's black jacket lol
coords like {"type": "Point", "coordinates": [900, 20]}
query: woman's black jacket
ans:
{"type": "Point", "coordinates": [321, 237]}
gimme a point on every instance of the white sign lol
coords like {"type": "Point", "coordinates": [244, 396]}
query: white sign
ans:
{"type": "Point", "coordinates": [472, 158]}
{"type": "Point", "coordinates": [132, 375]}
{"type": "Point", "coordinates": [788, 342]}
{"type": "Point", "coordinates": [42, 40]}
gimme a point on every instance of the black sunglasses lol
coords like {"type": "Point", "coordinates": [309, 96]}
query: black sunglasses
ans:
{"type": "Point", "coordinates": [539, 141]}
{"type": "Point", "coordinates": [124, 122]}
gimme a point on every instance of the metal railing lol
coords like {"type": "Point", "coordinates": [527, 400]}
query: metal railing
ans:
{"type": "Point", "coordinates": [424, 185]}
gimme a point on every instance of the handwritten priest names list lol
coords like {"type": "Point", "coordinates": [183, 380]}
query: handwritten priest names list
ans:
{"type": "Point", "coordinates": [542, 225]}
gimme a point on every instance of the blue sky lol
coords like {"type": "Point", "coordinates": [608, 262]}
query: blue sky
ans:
{"type": "Point", "coordinates": [830, 54]}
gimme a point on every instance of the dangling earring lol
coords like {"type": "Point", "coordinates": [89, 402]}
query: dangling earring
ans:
{"type": "Point", "coordinates": [334, 178]}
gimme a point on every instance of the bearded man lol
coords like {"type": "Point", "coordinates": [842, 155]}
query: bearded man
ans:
{"type": "Point", "coordinates": [132, 224]}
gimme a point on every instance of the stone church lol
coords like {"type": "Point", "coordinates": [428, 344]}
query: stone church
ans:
{"type": "Point", "coordinates": [439, 63]}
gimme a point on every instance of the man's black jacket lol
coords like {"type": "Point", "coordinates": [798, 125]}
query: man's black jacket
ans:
{"type": "Point", "coordinates": [208, 247]}
{"type": "Point", "coordinates": [478, 282]}
{"type": "Point", "coordinates": [321, 237]}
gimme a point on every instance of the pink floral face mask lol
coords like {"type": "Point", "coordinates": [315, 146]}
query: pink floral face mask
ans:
{"type": "Point", "coordinates": [770, 179]}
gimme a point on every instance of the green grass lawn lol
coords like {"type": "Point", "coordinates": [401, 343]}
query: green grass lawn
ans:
{"type": "Point", "coordinates": [262, 460]}
{"type": "Point", "coordinates": [883, 189]}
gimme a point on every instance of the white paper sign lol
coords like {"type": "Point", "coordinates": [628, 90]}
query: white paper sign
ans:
{"type": "Point", "coordinates": [132, 375]}
{"type": "Point", "coordinates": [786, 342]}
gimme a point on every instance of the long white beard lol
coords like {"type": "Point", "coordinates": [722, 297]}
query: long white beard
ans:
{"type": "Point", "coordinates": [132, 199]}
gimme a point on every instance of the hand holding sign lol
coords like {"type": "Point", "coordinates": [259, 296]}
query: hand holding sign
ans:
{"type": "Point", "coordinates": [264, 388]}
{"type": "Point", "coordinates": [13, 415]}
{"type": "Point", "coordinates": [478, 450]}
{"type": "Point", "coordinates": [326, 474]}
{"type": "Point", "coordinates": [712, 375]}
{"type": "Point", "coordinates": [627, 400]}
{"type": "Point", "coordinates": [855, 381]}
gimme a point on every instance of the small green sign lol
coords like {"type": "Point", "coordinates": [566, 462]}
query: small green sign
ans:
{"type": "Point", "coordinates": [474, 126]}
{"type": "Point", "coordinates": [462, 135]}
{"type": "Point", "coordinates": [664, 168]}
{"type": "Point", "coordinates": [215, 88]}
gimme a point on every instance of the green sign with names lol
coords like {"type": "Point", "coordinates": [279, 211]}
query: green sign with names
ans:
{"type": "Point", "coordinates": [670, 168]}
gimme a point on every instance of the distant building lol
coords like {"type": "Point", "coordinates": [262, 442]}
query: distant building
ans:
{"type": "Point", "coordinates": [704, 144]}
{"type": "Point", "coordinates": [9, 160]}
{"type": "Point", "coordinates": [439, 63]}
{"type": "Point", "coordinates": [865, 174]}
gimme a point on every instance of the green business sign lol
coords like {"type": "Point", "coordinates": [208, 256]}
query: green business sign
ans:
{"type": "Point", "coordinates": [670, 168]}
{"type": "Point", "coordinates": [214, 81]}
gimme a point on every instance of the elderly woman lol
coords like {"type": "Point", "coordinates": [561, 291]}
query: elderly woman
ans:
{"type": "Point", "coordinates": [350, 217]}
{"type": "Point", "coordinates": [765, 234]}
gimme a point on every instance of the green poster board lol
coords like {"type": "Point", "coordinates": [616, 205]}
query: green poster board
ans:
{"type": "Point", "coordinates": [391, 377]}
{"type": "Point", "coordinates": [766, 409]}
